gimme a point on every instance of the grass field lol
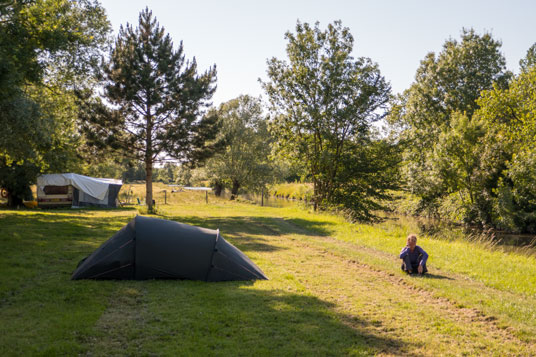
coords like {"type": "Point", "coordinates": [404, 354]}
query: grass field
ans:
{"type": "Point", "coordinates": [334, 289]}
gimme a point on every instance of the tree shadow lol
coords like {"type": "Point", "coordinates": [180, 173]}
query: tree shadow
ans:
{"type": "Point", "coordinates": [256, 245]}
{"type": "Point", "coordinates": [184, 317]}
{"type": "Point", "coordinates": [60, 226]}
{"type": "Point", "coordinates": [231, 224]}
{"type": "Point", "coordinates": [265, 225]}
{"type": "Point", "coordinates": [43, 244]}
{"type": "Point", "coordinates": [84, 209]}
{"type": "Point", "coordinates": [235, 318]}
{"type": "Point", "coordinates": [308, 227]}
{"type": "Point", "coordinates": [246, 232]}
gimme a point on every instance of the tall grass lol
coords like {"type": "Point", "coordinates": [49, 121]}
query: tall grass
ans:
{"type": "Point", "coordinates": [297, 191]}
{"type": "Point", "coordinates": [134, 194]}
{"type": "Point", "coordinates": [477, 257]}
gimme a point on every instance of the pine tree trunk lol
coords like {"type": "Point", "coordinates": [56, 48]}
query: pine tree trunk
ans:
{"type": "Point", "coordinates": [149, 162]}
{"type": "Point", "coordinates": [149, 184]}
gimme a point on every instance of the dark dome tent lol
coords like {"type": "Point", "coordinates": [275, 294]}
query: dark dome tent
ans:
{"type": "Point", "coordinates": [152, 248]}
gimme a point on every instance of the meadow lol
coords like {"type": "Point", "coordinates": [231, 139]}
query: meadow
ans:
{"type": "Point", "coordinates": [334, 288]}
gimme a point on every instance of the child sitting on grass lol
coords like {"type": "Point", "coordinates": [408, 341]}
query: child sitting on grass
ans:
{"type": "Point", "coordinates": [413, 257]}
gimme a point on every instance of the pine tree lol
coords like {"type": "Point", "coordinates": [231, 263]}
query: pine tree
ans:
{"type": "Point", "coordinates": [158, 100]}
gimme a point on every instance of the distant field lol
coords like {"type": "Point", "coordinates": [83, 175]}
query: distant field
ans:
{"type": "Point", "coordinates": [162, 194]}
{"type": "Point", "coordinates": [334, 289]}
{"type": "Point", "coordinates": [298, 191]}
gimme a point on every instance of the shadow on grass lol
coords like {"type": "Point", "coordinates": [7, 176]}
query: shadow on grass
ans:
{"type": "Point", "coordinates": [258, 224]}
{"type": "Point", "coordinates": [248, 228]}
{"type": "Point", "coordinates": [437, 276]}
{"type": "Point", "coordinates": [90, 209]}
{"type": "Point", "coordinates": [229, 224]}
{"type": "Point", "coordinates": [42, 244]}
{"type": "Point", "coordinates": [234, 318]}
{"type": "Point", "coordinates": [245, 232]}
{"type": "Point", "coordinates": [62, 228]}
{"type": "Point", "coordinates": [429, 276]}
{"type": "Point", "coordinates": [306, 227]}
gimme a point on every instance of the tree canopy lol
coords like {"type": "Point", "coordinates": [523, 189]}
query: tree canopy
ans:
{"type": "Point", "coordinates": [510, 119]}
{"type": "Point", "coordinates": [323, 100]}
{"type": "Point", "coordinates": [44, 45]}
{"type": "Point", "coordinates": [529, 60]}
{"type": "Point", "coordinates": [437, 114]}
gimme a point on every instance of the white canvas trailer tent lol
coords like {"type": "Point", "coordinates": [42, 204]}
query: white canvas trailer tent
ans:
{"type": "Point", "coordinates": [76, 191]}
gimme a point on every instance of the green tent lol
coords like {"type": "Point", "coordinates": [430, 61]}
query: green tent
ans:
{"type": "Point", "coordinates": [152, 248]}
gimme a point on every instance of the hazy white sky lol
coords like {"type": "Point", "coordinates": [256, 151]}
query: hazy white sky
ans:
{"type": "Point", "coordinates": [240, 35]}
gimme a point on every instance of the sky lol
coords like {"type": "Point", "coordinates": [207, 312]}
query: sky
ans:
{"type": "Point", "coordinates": [238, 36]}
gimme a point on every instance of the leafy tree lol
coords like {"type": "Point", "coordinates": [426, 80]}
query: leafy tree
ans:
{"type": "Point", "coordinates": [438, 108]}
{"type": "Point", "coordinates": [135, 171]}
{"type": "Point", "coordinates": [38, 41]}
{"type": "Point", "coordinates": [324, 102]}
{"type": "Point", "coordinates": [244, 161]}
{"type": "Point", "coordinates": [529, 60]}
{"type": "Point", "coordinates": [158, 100]}
{"type": "Point", "coordinates": [369, 171]}
{"type": "Point", "coordinates": [167, 173]}
{"type": "Point", "coordinates": [460, 162]}
{"type": "Point", "coordinates": [510, 115]}
{"type": "Point", "coordinates": [185, 174]}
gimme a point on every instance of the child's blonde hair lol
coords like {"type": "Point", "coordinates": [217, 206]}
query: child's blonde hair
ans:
{"type": "Point", "coordinates": [412, 237]}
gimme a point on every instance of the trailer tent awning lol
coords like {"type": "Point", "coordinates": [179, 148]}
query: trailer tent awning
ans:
{"type": "Point", "coordinates": [96, 187]}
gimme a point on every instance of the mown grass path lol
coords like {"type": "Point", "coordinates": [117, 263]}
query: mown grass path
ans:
{"type": "Point", "coordinates": [329, 293]}
{"type": "Point", "coordinates": [407, 319]}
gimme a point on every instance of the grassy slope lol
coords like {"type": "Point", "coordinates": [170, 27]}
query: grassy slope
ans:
{"type": "Point", "coordinates": [334, 288]}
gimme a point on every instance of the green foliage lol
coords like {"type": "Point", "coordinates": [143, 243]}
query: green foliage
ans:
{"type": "Point", "coordinates": [244, 161]}
{"type": "Point", "coordinates": [46, 48]}
{"type": "Point", "coordinates": [444, 141]}
{"type": "Point", "coordinates": [158, 100]}
{"type": "Point", "coordinates": [324, 102]}
{"type": "Point", "coordinates": [469, 127]}
{"type": "Point", "coordinates": [511, 115]}
{"type": "Point", "coordinates": [472, 160]}
{"type": "Point", "coordinates": [369, 172]}
{"type": "Point", "coordinates": [169, 173]}
{"type": "Point", "coordinates": [529, 60]}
